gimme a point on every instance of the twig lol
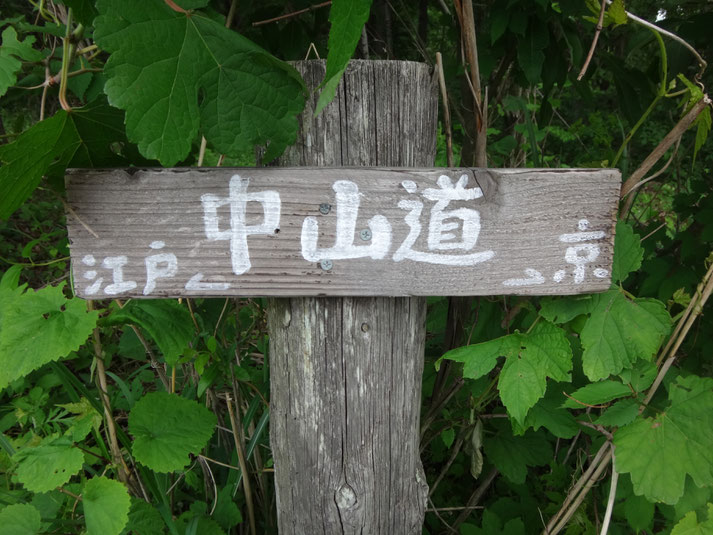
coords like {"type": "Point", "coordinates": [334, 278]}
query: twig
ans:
{"type": "Point", "coordinates": [231, 13]}
{"type": "Point", "coordinates": [574, 492]}
{"type": "Point", "coordinates": [364, 43]}
{"type": "Point", "coordinates": [694, 309]}
{"type": "Point", "coordinates": [438, 514]}
{"type": "Point", "coordinates": [701, 62]}
{"type": "Point", "coordinates": [597, 31]}
{"type": "Point", "coordinates": [596, 427]}
{"type": "Point", "coordinates": [117, 457]}
{"type": "Point", "coordinates": [79, 219]}
{"type": "Point", "coordinates": [475, 498]}
{"type": "Point", "coordinates": [585, 490]}
{"type": "Point", "coordinates": [446, 110]}
{"type": "Point", "coordinates": [660, 171]}
{"type": "Point", "coordinates": [437, 509]}
{"type": "Point", "coordinates": [293, 14]}
{"type": "Point", "coordinates": [582, 402]}
{"type": "Point", "coordinates": [454, 454]}
{"type": "Point", "coordinates": [611, 500]}
{"type": "Point", "coordinates": [676, 132]}
{"type": "Point", "coordinates": [312, 48]}
{"type": "Point", "coordinates": [237, 438]}
{"type": "Point", "coordinates": [201, 151]}
{"type": "Point", "coordinates": [218, 462]}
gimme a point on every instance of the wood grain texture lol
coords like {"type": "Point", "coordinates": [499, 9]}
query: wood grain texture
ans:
{"type": "Point", "coordinates": [523, 214]}
{"type": "Point", "coordinates": [345, 380]}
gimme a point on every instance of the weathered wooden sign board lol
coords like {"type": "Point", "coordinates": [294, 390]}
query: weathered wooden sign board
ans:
{"type": "Point", "coordinates": [340, 231]}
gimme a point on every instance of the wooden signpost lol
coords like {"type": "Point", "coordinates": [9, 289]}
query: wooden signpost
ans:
{"type": "Point", "coordinates": [345, 247]}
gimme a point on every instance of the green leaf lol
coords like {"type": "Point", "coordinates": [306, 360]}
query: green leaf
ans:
{"type": "Point", "coordinates": [40, 327]}
{"type": "Point", "coordinates": [144, 519]}
{"type": "Point", "coordinates": [226, 511]}
{"type": "Point", "coordinates": [549, 414]}
{"type": "Point", "coordinates": [689, 524]}
{"type": "Point", "coordinates": [167, 428]}
{"type": "Point", "coordinates": [530, 359]}
{"type": "Point", "coordinates": [512, 455]}
{"type": "Point", "coordinates": [162, 61]}
{"type": "Point", "coordinates": [617, 13]}
{"type": "Point", "coordinates": [596, 394]}
{"type": "Point", "coordinates": [559, 310]}
{"type": "Point", "coordinates": [12, 53]}
{"type": "Point", "coordinates": [106, 506]}
{"type": "Point", "coordinates": [166, 321]}
{"type": "Point", "coordinates": [639, 512]}
{"type": "Point", "coordinates": [628, 252]}
{"type": "Point", "coordinates": [620, 413]}
{"type": "Point", "coordinates": [621, 331]}
{"type": "Point", "coordinates": [498, 24]}
{"type": "Point", "coordinates": [86, 419]}
{"type": "Point", "coordinates": [48, 466]}
{"type": "Point", "coordinates": [84, 10]}
{"type": "Point", "coordinates": [530, 51]}
{"type": "Point", "coordinates": [347, 18]}
{"type": "Point", "coordinates": [448, 436]}
{"type": "Point", "coordinates": [26, 160]}
{"type": "Point", "coordinates": [658, 452]}
{"type": "Point", "coordinates": [20, 519]}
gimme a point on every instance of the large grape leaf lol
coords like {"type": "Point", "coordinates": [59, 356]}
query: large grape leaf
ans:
{"type": "Point", "coordinates": [166, 321]}
{"type": "Point", "coordinates": [92, 136]}
{"type": "Point", "coordinates": [39, 327]}
{"type": "Point", "coordinates": [620, 331]}
{"type": "Point", "coordinates": [167, 428]}
{"type": "Point", "coordinates": [48, 466]}
{"type": "Point", "coordinates": [20, 519]}
{"type": "Point", "coordinates": [27, 159]}
{"type": "Point", "coordinates": [347, 18]}
{"type": "Point", "coordinates": [530, 359]}
{"type": "Point", "coordinates": [164, 62]}
{"type": "Point", "coordinates": [106, 506]}
{"type": "Point", "coordinates": [12, 53]}
{"type": "Point", "coordinates": [659, 451]}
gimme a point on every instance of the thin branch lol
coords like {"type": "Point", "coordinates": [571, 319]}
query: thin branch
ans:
{"type": "Point", "coordinates": [611, 500]}
{"type": "Point", "coordinates": [237, 439]}
{"type": "Point", "coordinates": [676, 132]}
{"type": "Point", "coordinates": [446, 110]}
{"type": "Point", "coordinates": [293, 14]}
{"type": "Point", "coordinates": [701, 62]}
{"type": "Point", "coordinates": [231, 13]}
{"type": "Point", "coordinates": [475, 497]}
{"type": "Point", "coordinates": [597, 31]}
{"type": "Point", "coordinates": [585, 490]}
{"type": "Point", "coordinates": [575, 491]}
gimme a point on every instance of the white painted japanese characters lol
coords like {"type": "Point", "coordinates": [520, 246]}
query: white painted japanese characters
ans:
{"type": "Point", "coordinates": [340, 231]}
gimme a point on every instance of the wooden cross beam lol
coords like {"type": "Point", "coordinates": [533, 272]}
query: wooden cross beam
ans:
{"type": "Point", "coordinates": [340, 231]}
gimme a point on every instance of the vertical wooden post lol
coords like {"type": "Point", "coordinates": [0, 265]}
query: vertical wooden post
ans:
{"type": "Point", "coordinates": [346, 372]}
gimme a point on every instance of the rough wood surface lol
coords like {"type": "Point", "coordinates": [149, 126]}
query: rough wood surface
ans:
{"type": "Point", "coordinates": [519, 245]}
{"type": "Point", "coordinates": [346, 372]}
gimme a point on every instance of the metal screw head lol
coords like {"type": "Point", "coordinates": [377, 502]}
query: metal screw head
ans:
{"type": "Point", "coordinates": [365, 234]}
{"type": "Point", "coordinates": [324, 208]}
{"type": "Point", "coordinates": [326, 265]}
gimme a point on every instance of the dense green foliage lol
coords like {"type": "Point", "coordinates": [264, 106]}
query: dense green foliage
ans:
{"type": "Point", "coordinates": [149, 416]}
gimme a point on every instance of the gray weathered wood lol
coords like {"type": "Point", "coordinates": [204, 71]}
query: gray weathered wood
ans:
{"type": "Point", "coordinates": [523, 214]}
{"type": "Point", "coordinates": [346, 372]}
